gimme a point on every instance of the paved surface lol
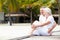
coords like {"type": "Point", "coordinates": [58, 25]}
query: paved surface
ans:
{"type": "Point", "coordinates": [43, 38]}
{"type": "Point", "coordinates": [16, 30]}
{"type": "Point", "coordinates": [19, 30]}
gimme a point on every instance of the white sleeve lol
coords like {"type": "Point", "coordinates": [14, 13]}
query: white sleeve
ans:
{"type": "Point", "coordinates": [40, 17]}
{"type": "Point", "coordinates": [35, 22]}
{"type": "Point", "coordinates": [51, 19]}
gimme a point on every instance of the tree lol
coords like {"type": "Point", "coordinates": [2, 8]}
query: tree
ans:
{"type": "Point", "coordinates": [12, 5]}
{"type": "Point", "coordinates": [58, 2]}
{"type": "Point", "coordinates": [2, 2]}
{"type": "Point", "coordinates": [35, 5]}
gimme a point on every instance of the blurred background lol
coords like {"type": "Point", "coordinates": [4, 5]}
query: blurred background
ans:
{"type": "Point", "coordinates": [26, 11]}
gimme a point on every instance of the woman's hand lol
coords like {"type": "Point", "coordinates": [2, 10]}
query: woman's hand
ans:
{"type": "Point", "coordinates": [50, 29]}
{"type": "Point", "coordinates": [38, 25]}
{"type": "Point", "coordinates": [34, 26]}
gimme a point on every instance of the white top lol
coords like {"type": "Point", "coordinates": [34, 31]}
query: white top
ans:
{"type": "Point", "coordinates": [51, 19]}
{"type": "Point", "coordinates": [42, 19]}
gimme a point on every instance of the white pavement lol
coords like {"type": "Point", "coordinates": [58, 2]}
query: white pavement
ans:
{"type": "Point", "coordinates": [19, 30]}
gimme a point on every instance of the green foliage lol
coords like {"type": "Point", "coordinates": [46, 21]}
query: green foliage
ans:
{"type": "Point", "coordinates": [36, 9]}
{"type": "Point", "coordinates": [16, 5]}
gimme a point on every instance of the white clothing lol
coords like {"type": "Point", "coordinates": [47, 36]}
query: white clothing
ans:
{"type": "Point", "coordinates": [51, 19]}
{"type": "Point", "coordinates": [42, 19]}
{"type": "Point", "coordinates": [43, 30]}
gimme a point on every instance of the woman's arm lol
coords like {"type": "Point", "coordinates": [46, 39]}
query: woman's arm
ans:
{"type": "Point", "coordinates": [49, 20]}
{"type": "Point", "coordinates": [43, 24]}
{"type": "Point", "coordinates": [50, 29]}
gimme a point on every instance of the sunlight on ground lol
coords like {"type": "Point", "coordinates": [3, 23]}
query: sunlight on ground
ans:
{"type": "Point", "coordinates": [18, 30]}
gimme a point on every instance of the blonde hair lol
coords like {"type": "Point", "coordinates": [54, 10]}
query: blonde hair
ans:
{"type": "Point", "coordinates": [48, 10]}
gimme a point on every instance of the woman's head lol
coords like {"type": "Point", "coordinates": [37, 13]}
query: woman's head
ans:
{"type": "Point", "coordinates": [47, 11]}
{"type": "Point", "coordinates": [42, 10]}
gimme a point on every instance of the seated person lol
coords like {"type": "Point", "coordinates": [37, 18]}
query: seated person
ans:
{"type": "Point", "coordinates": [46, 23]}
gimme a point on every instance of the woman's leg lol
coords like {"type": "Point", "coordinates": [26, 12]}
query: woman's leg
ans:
{"type": "Point", "coordinates": [35, 32]}
{"type": "Point", "coordinates": [33, 28]}
{"type": "Point", "coordinates": [44, 32]}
